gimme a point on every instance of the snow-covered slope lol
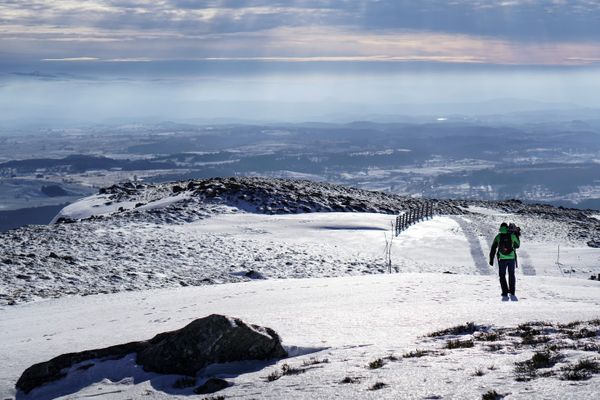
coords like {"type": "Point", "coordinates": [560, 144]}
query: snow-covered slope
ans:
{"type": "Point", "coordinates": [219, 231]}
{"type": "Point", "coordinates": [350, 321]}
{"type": "Point", "coordinates": [262, 195]}
{"type": "Point", "coordinates": [140, 249]}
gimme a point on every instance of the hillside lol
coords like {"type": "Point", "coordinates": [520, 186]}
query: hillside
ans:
{"type": "Point", "coordinates": [349, 322]}
{"type": "Point", "coordinates": [294, 256]}
{"type": "Point", "coordinates": [138, 236]}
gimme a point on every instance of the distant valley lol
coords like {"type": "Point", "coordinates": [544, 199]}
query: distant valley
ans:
{"type": "Point", "coordinates": [455, 158]}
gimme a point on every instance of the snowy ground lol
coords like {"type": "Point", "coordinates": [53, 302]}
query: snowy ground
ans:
{"type": "Point", "coordinates": [104, 257]}
{"type": "Point", "coordinates": [349, 321]}
{"type": "Point", "coordinates": [345, 307]}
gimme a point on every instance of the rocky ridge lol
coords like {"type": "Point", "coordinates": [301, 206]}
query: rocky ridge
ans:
{"type": "Point", "coordinates": [132, 242]}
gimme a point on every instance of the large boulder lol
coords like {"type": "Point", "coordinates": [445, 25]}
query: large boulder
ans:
{"type": "Point", "coordinates": [205, 341]}
{"type": "Point", "coordinates": [210, 340]}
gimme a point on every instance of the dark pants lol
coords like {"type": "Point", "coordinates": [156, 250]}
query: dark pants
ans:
{"type": "Point", "coordinates": [510, 266]}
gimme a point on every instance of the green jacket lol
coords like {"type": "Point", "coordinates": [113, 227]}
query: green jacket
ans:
{"type": "Point", "coordinates": [516, 243]}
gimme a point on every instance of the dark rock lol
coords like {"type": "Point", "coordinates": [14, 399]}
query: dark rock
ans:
{"type": "Point", "coordinates": [177, 189]}
{"type": "Point", "coordinates": [65, 220]}
{"type": "Point", "coordinates": [205, 341]}
{"type": "Point", "coordinates": [211, 386]}
{"type": "Point", "coordinates": [192, 185]}
{"type": "Point", "coordinates": [184, 382]}
{"type": "Point", "coordinates": [254, 275]}
{"type": "Point", "coordinates": [53, 370]}
{"type": "Point", "coordinates": [214, 339]}
{"type": "Point", "coordinates": [53, 255]}
{"type": "Point", "coordinates": [594, 243]}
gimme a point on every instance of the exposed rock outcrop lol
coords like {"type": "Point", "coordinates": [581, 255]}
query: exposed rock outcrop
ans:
{"type": "Point", "coordinates": [211, 386]}
{"type": "Point", "coordinates": [210, 340]}
{"type": "Point", "coordinates": [205, 341]}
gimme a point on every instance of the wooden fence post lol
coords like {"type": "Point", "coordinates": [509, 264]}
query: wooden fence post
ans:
{"type": "Point", "coordinates": [413, 216]}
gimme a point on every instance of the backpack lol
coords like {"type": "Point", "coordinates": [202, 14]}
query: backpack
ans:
{"type": "Point", "coordinates": [512, 228]}
{"type": "Point", "coordinates": [505, 244]}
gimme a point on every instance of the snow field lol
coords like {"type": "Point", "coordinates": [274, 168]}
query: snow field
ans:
{"type": "Point", "coordinates": [102, 205]}
{"type": "Point", "coordinates": [350, 321]}
{"type": "Point", "coordinates": [103, 256]}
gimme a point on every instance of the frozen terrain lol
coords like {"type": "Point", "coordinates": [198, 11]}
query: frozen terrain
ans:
{"type": "Point", "coordinates": [308, 261]}
{"type": "Point", "coordinates": [217, 231]}
{"type": "Point", "coordinates": [350, 321]}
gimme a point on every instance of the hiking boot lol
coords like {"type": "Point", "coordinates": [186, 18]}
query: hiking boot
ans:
{"type": "Point", "coordinates": [513, 297]}
{"type": "Point", "coordinates": [504, 297]}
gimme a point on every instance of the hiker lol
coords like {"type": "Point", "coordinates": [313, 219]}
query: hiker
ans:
{"type": "Point", "coordinates": [504, 246]}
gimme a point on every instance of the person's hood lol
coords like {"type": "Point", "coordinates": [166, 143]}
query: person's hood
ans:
{"type": "Point", "coordinates": [503, 229]}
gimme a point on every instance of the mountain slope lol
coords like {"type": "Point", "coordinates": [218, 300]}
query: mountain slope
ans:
{"type": "Point", "coordinates": [350, 321]}
{"type": "Point", "coordinates": [140, 248]}
{"type": "Point", "coordinates": [136, 237]}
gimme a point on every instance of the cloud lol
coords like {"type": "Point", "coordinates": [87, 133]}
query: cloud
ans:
{"type": "Point", "coordinates": [583, 60]}
{"type": "Point", "coordinates": [50, 76]}
{"type": "Point", "coordinates": [538, 20]}
{"type": "Point", "coordinates": [71, 59]}
{"type": "Point", "coordinates": [313, 45]}
{"type": "Point", "coordinates": [36, 75]}
{"type": "Point", "coordinates": [469, 31]}
{"type": "Point", "coordinates": [533, 20]}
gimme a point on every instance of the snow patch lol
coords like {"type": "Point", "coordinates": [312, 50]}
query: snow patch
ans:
{"type": "Point", "coordinates": [485, 211]}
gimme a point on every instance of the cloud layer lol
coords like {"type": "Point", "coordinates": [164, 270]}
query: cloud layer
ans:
{"type": "Point", "coordinates": [92, 60]}
{"type": "Point", "coordinates": [513, 32]}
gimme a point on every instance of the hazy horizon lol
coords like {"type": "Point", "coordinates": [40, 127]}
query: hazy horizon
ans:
{"type": "Point", "coordinates": [292, 60]}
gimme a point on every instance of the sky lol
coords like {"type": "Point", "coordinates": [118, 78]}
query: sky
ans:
{"type": "Point", "coordinates": [172, 58]}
